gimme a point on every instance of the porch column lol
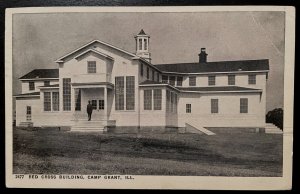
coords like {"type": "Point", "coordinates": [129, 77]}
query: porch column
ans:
{"type": "Point", "coordinates": [105, 104]}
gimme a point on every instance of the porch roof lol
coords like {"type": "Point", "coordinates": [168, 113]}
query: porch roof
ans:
{"type": "Point", "coordinates": [31, 94]}
{"type": "Point", "coordinates": [49, 86]}
{"type": "Point", "coordinates": [218, 89]}
{"type": "Point", "coordinates": [92, 85]}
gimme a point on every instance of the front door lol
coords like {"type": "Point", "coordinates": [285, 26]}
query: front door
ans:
{"type": "Point", "coordinates": [98, 108]}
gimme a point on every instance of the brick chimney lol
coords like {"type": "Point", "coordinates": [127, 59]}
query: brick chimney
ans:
{"type": "Point", "coordinates": [202, 56]}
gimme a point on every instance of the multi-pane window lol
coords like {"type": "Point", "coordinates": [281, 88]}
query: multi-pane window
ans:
{"type": "Point", "coordinates": [142, 69]}
{"type": "Point", "coordinates": [164, 79]}
{"type": "Point", "coordinates": [179, 81]}
{"type": "Point", "coordinates": [28, 113]}
{"type": "Point", "coordinates": [172, 80]}
{"type": "Point", "coordinates": [192, 80]}
{"type": "Point", "coordinates": [94, 104]}
{"type": "Point", "coordinates": [119, 93]}
{"type": "Point", "coordinates": [91, 67]}
{"type": "Point", "coordinates": [147, 99]}
{"type": "Point", "coordinates": [214, 103]}
{"type": "Point", "coordinates": [31, 86]}
{"type": "Point", "coordinates": [153, 74]}
{"type": "Point", "coordinates": [77, 100]}
{"type": "Point", "coordinates": [231, 79]}
{"type": "Point", "coordinates": [140, 44]}
{"type": "Point", "coordinates": [244, 105]}
{"type": "Point", "coordinates": [145, 44]}
{"type": "Point", "coordinates": [157, 95]}
{"type": "Point", "coordinates": [148, 72]}
{"type": "Point", "coordinates": [130, 93]}
{"type": "Point", "coordinates": [252, 79]}
{"type": "Point", "coordinates": [47, 101]}
{"type": "Point", "coordinates": [66, 94]}
{"type": "Point", "coordinates": [46, 83]}
{"type": "Point", "coordinates": [211, 80]}
{"type": "Point", "coordinates": [101, 104]}
{"type": "Point", "coordinates": [55, 101]}
{"type": "Point", "coordinates": [188, 108]}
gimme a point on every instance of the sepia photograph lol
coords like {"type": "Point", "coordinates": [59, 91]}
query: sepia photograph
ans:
{"type": "Point", "coordinates": [120, 94]}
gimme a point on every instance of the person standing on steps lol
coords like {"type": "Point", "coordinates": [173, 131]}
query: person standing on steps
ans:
{"type": "Point", "coordinates": [89, 110]}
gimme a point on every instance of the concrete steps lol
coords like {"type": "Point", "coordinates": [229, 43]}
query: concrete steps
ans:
{"type": "Point", "coordinates": [196, 128]}
{"type": "Point", "coordinates": [272, 129]}
{"type": "Point", "coordinates": [88, 126]}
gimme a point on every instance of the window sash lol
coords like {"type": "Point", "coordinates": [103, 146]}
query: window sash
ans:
{"type": "Point", "coordinates": [251, 79]}
{"type": "Point", "coordinates": [192, 80]}
{"type": "Point", "coordinates": [101, 104]}
{"type": "Point", "coordinates": [211, 80]}
{"type": "Point", "coordinates": [157, 95]}
{"type": "Point", "coordinates": [147, 99]}
{"type": "Point", "coordinates": [164, 79]}
{"type": "Point", "coordinates": [31, 86]}
{"type": "Point", "coordinates": [214, 105]}
{"type": "Point", "coordinates": [119, 93]}
{"type": "Point", "coordinates": [188, 108]}
{"type": "Point", "coordinates": [91, 66]}
{"type": "Point", "coordinates": [172, 80]}
{"type": "Point", "coordinates": [47, 101]}
{"type": "Point", "coordinates": [130, 92]}
{"type": "Point", "coordinates": [231, 79]}
{"type": "Point", "coordinates": [66, 94]}
{"type": "Point", "coordinates": [179, 81]}
{"type": "Point", "coordinates": [55, 101]}
{"type": "Point", "coordinates": [28, 113]}
{"type": "Point", "coordinates": [244, 105]}
{"type": "Point", "coordinates": [46, 83]}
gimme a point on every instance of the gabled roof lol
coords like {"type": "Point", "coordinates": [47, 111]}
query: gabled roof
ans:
{"type": "Point", "coordinates": [142, 32]}
{"type": "Point", "coordinates": [96, 52]}
{"type": "Point", "coordinates": [215, 67]}
{"type": "Point", "coordinates": [32, 94]}
{"type": "Point", "coordinates": [146, 82]}
{"type": "Point", "coordinates": [217, 89]}
{"type": "Point", "coordinates": [61, 59]}
{"type": "Point", "coordinates": [50, 86]}
{"type": "Point", "coordinates": [41, 73]}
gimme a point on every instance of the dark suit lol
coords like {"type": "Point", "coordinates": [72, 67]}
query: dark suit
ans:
{"type": "Point", "coordinates": [89, 110]}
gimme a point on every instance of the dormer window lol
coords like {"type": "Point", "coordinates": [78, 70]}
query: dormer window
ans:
{"type": "Point", "coordinates": [91, 67]}
{"type": "Point", "coordinates": [31, 86]}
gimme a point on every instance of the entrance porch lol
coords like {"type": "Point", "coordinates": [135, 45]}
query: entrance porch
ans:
{"type": "Point", "coordinates": [97, 96]}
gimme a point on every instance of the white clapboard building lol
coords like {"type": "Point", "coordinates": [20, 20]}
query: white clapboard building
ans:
{"type": "Point", "coordinates": [127, 91]}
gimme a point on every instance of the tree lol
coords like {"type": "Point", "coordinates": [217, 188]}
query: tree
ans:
{"type": "Point", "coordinates": [275, 116]}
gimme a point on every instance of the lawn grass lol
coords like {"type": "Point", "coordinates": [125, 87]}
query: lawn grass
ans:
{"type": "Point", "coordinates": [50, 151]}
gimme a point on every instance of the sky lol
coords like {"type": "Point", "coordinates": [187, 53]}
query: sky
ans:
{"type": "Point", "coordinates": [40, 39]}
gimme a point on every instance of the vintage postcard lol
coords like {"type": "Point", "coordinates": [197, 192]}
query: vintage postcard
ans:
{"type": "Point", "coordinates": [150, 97]}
